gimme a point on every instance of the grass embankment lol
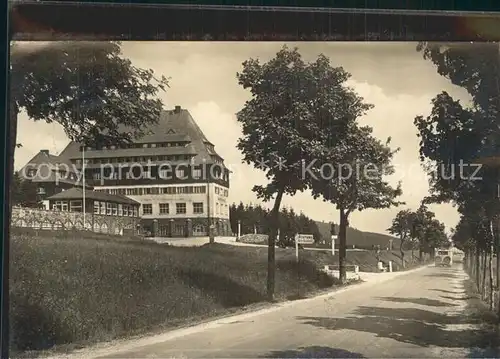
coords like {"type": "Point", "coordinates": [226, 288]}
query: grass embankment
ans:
{"type": "Point", "coordinates": [86, 290]}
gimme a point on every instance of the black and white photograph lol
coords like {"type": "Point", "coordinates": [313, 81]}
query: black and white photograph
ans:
{"type": "Point", "coordinates": [254, 199]}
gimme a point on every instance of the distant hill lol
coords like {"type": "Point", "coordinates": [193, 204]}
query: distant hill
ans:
{"type": "Point", "coordinates": [360, 239]}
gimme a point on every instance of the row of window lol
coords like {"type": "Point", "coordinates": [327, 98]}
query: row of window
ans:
{"type": "Point", "coordinates": [222, 209]}
{"type": "Point", "coordinates": [181, 208]}
{"type": "Point", "coordinates": [163, 190]}
{"type": "Point", "coordinates": [221, 191]}
{"type": "Point", "coordinates": [135, 173]}
{"type": "Point", "coordinates": [155, 190]}
{"type": "Point", "coordinates": [137, 145]}
{"type": "Point", "coordinates": [133, 159]}
{"type": "Point", "coordinates": [105, 208]}
{"type": "Point", "coordinates": [62, 173]}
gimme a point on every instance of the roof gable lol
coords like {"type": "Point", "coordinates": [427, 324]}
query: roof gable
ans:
{"type": "Point", "coordinates": [172, 126]}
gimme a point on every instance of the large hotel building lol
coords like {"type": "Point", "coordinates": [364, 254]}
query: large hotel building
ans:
{"type": "Point", "coordinates": [173, 171]}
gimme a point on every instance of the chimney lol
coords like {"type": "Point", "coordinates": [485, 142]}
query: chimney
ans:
{"type": "Point", "coordinates": [177, 109]}
{"type": "Point", "coordinates": [45, 152]}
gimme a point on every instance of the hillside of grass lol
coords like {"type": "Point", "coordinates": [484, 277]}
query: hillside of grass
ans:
{"type": "Point", "coordinates": [83, 290]}
{"type": "Point", "coordinates": [359, 239]}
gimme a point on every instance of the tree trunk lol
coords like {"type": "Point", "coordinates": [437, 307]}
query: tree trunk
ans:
{"type": "Point", "coordinates": [401, 249]}
{"type": "Point", "coordinates": [477, 271]}
{"type": "Point", "coordinates": [497, 262]}
{"type": "Point", "coordinates": [492, 284]}
{"type": "Point", "coordinates": [343, 246]}
{"type": "Point", "coordinates": [420, 254]}
{"type": "Point", "coordinates": [271, 248]}
{"type": "Point", "coordinates": [13, 111]}
{"type": "Point", "coordinates": [483, 283]}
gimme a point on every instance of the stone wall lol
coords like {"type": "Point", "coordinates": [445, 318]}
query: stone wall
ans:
{"type": "Point", "coordinates": [59, 220]}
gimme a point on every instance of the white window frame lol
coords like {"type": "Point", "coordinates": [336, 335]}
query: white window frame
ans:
{"type": "Point", "coordinates": [180, 205]}
{"type": "Point", "coordinates": [149, 205]}
{"type": "Point", "coordinates": [198, 207]}
{"type": "Point", "coordinates": [72, 205]}
{"type": "Point", "coordinates": [164, 206]}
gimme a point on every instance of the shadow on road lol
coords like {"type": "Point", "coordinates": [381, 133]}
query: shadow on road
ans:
{"type": "Point", "coordinates": [442, 275]}
{"type": "Point", "coordinates": [419, 301]}
{"type": "Point", "coordinates": [448, 291]}
{"type": "Point", "coordinates": [412, 326]}
{"type": "Point", "coordinates": [458, 298]}
{"type": "Point", "coordinates": [314, 352]}
{"type": "Point", "coordinates": [470, 329]}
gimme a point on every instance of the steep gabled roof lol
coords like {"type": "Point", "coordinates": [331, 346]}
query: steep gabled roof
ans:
{"type": "Point", "coordinates": [173, 126]}
{"type": "Point", "coordinates": [47, 166]}
{"type": "Point", "coordinates": [43, 157]}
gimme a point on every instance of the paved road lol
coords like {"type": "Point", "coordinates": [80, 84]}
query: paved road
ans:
{"type": "Point", "coordinates": [421, 314]}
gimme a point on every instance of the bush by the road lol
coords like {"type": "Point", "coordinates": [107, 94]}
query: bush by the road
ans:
{"type": "Point", "coordinates": [84, 290]}
{"type": "Point", "coordinates": [254, 238]}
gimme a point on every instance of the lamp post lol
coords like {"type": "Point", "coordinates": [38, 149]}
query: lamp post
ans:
{"type": "Point", "coordinates": [210, 226]}
{"type": "Point", "coordinates": [239, 229]}
{"type": "Point", "coordinates": [333, 237]}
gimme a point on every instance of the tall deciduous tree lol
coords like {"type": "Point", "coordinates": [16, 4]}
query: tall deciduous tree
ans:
{"type": "Point", "coordinates": [402, 227]}
{"type": "Point", "coordinates": [453, 134]}
{"type": "Point", "coordinates": [24, 193]}
{"type": "Point", "coordinates": [422, 221]}
{"type": "Point", "coordinates": [283, 124]}
{"type": "Point", "coordinates": [363, 162]}
{"type": "Point", "coordinates": [89, 88]}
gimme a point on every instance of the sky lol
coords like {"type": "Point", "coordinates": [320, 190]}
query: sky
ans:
{"type": "Point", "coordinates": [392, 76]}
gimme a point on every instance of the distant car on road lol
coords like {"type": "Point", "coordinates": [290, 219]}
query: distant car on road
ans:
{"type": "Point", "coordinates": [443, 257]}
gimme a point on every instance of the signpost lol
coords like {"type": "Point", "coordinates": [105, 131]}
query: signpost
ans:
{"type": "Point", "coordinates": [302, 239]}
{"type": "Point", "coordinates": [334, 237]}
